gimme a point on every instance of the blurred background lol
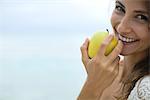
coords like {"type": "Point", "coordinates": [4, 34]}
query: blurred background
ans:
{"type": "Point", "coordinates": [40, 46]}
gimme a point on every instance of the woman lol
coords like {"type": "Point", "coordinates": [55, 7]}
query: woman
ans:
{"type": "Point", "coordinates": [110, 78]}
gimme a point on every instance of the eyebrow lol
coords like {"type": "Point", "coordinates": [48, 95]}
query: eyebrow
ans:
{"type": "Point", "coordinates": [141, 11]}
{"type": "Point", "coordinates": [117, 1]}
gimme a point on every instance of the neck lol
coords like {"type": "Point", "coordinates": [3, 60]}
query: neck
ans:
{"type": "Point", "coordinates": [131, 60]}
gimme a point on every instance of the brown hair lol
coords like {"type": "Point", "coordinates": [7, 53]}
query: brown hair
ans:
{"type": "Point", "coordinates": [140, 69]}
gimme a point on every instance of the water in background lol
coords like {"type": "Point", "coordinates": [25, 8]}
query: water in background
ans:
{"type": "Point", "coordinates": [40, 46]}
{"type": "Point", "coordinates": [41, 67]}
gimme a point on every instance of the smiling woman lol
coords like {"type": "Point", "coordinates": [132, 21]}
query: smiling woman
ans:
{"type": "Point", "coordinates": [112, 78]}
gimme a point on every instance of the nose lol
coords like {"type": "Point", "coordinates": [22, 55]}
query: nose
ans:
{"type": "Point", "coordinates": [124, 26]}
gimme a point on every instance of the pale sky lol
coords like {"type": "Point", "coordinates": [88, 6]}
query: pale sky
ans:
{"type": "Point", "coordinates": [40, 46]}
{"type": "Point", "coordinates": [25, 16]}
{"type": "Point", "coordinates": [28, 18]}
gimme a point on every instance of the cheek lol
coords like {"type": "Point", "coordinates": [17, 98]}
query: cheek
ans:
{"type": "Point", "coordinates": [145, 38]}
{"type": "Point", "coordinates": [149, 43]}
{"type": "Point", "coordinates": [112, 20]}
{"type": "Point", "coordinates": [141, 30]}
{"type": "Point", "coordinates": [115, 19]}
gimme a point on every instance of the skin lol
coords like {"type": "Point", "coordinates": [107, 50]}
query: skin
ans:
{"type": "Point", "coordinates": [129, 19]}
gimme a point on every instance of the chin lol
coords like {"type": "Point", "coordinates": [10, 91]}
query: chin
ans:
{"type": "Point", "coordinates": [125, 53]}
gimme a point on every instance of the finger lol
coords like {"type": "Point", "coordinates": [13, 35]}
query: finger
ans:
{"type": "Point", "coordinates": [84, 51]}
{"type": "Point", "coordinates": [104, 44]}
{"type": "Point", "coordinates": [117, 50]}
{"type": "Point", "coordinates": [121, 68]}
{"type": "Point", "coordinates": [115, 66]}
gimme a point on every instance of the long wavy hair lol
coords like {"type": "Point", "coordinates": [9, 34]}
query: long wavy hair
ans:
{"type": "Point", "coordinates": [140, 70]}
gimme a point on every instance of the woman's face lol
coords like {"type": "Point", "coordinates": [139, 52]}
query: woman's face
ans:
{"type": "Point", "coordinates": [130, 22]}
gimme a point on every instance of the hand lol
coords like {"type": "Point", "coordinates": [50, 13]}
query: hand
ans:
{"type": "Point", "coordinates": [101, 70]}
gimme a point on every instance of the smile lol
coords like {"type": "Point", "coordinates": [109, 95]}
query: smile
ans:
{"type": "Point", "coordinates": [126, 39]}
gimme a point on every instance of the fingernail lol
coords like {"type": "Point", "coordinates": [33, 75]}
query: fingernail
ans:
{"type": "Point", "coordinates": [110, 37]}
{"type": "Point", "coordinates": [86, 40]}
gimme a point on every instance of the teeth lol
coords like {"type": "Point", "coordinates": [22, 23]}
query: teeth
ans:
{"type": "Point", "coordinates": [125, 39]}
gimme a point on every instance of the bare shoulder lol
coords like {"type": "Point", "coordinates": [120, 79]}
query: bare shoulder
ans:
{"type": "Point", "coordinates": [141, 91]}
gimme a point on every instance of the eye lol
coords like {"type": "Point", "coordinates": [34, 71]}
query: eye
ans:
{"type": "Point", "coordinates": [119, 8]}
{"type": "Point", "coordinates": [142, 17]}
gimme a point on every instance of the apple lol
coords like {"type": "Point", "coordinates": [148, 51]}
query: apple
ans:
{"type": "Point", "coordinates": [96, 41]}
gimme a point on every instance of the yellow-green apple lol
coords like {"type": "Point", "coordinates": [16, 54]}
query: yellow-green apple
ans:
{"type": "Point", "coordinates": [96, 41]}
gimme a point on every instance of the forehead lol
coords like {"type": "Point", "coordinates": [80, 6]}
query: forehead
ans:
{"type": "Point", "coordinates": [138, 4]}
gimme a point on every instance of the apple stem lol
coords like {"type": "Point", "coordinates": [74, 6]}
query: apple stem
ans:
{"type": "Point", "coordinates": [107, 30]}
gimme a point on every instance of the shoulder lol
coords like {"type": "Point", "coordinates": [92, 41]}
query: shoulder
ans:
{"type": "Point", "coordinates": [141, 91]}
